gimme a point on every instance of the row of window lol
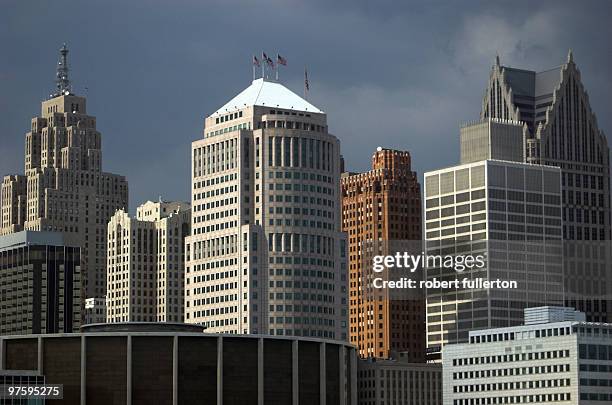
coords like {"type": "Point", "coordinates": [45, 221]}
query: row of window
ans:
{"type": "Point", "coordinates": [595, 352]}
{"type": "Point", "coordinates": [515, 399]}
{"type": "Point", "coordinates": [513, 385]}
{"type": "Point", "coordinates": [555, 354]}
{"type": "Point", "coordinates": [512, 371]}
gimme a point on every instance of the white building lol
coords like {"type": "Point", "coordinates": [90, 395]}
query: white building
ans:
{"type": "Point", "coordinates": [266, 254]}
{"type": "Point", "coordinates": [566, 362]}
{"type": "Point", "coordinates": [510, 213]}
{"type": "Point", "coordinates": [146, 263]}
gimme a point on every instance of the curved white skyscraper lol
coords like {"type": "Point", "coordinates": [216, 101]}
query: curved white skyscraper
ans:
{"type": "Point", "coordinates": [266, 254]}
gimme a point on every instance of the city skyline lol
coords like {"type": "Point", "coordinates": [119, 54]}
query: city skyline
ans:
{"type": "Point", "coordinates": [191, 216]}
{"type": "Point", "coordinates": [409, 83]}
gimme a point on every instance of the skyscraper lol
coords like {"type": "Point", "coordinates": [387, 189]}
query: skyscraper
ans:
{"type": "Point", "coordinates": [266, 254]}
{"type": "Point", "coordinates": [64, 188]}
{"type": "Point", "coordinates": [510, 214]}
{"type": "Point", "coordinates": [563, 132]}
{"type": "Point", "coordinates": [146, 263]}
{"type": "Point", "coordinates": [382, 205]}
{"type": "Point", "coordinates": [40, 279]}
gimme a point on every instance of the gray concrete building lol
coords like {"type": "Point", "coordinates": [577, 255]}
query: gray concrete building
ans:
{"type": "Point", "coordinates": [397, 381]}
{"type": "Point", "coordinates": [266, 254]}
{"type": "Point", "coordinates": [566, 362]}
{"type": "Point", "coordinates": [507, 212]}
{"type": "Point", "coordinates": [146, 263]}
{"type": "Point", "coordinates": [64, 188]}
{"type": "Point", "coordinates": [40, 284]}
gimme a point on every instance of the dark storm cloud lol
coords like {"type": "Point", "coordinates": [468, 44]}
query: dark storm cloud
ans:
{"type": "Point", "coordinates": [390, 73]}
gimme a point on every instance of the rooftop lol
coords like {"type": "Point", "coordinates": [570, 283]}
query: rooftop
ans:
{"type": "Point", "coordinates": [31, 238]}
{"type": "Point", "coordinates": [532, 84]}
{"type": "Point", "coordinates": [142, 327]}
{"type": "Point", "coordinates": [267, 93]}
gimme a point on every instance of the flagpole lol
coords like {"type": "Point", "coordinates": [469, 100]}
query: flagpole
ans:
{"type": "Point", "coordinates": [305, 76]}
{"type": "Point", "coordinates": [263, 64]}
{"type": "Point", "coordinates": [277, 66]}
{"type": "Point", "coordinates": [253, 64]}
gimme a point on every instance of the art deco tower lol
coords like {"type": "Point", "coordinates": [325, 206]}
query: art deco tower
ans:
{"type": "Point", "coordinates": [64, 188]}
{"type": "Point", "coordinates": [383, 204]}
{"type": "Point", "coordinates": [266, 254]}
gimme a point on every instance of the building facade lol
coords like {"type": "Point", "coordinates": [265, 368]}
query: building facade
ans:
{"type": "Point", "coordinates": [508, 212]}
{"type": "Point", "coordinates": [379, 206]}
{"type": "Point", "coordinates": [64, 188]}
{"type": "Point", "coordinates": [566, 362]}
{"type": "Point", "coordinates": [170, 364]}
{"type": "Point", "coordinates": [397, 381]}
{"type": "Point", "coordinates": [40, 284]}
{"type": "Point", "coordinates": [266, 254]}
{"type": "Point", "coordinates": [493, 138]}
{"type": "Point", "coordinates": [13, 203]}
{"type": "Point", "coordinates": [146, 262]}
{"type": "Point", "coordinates": [563, 132]}
{"type": "Point", "coordinates": [95, 310]}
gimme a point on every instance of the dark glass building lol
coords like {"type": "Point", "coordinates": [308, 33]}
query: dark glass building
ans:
{"type": "Point", "coordinates": [169, 365]}
{"type": "Point", "coordinates": [40, 284]}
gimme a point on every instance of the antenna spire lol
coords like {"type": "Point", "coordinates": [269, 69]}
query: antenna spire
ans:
{"type": "Point", "coordinates": [62, 81]}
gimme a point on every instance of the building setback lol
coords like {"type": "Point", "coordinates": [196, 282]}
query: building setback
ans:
{"type": "Point", "coordinates": [378, 206]}
{"type": "Point", "coordinates": [510, 214]}
{"type": "Point", "coordinates": [146, 263]}
{"type": "Point", "coordinates": [563, 132]}
{"type": "Point", "coordinates": [493, 138]}
{"type": "Point", "coordinates": [64, 188]}
{"type": "Point", "coordinates": [40, 284]}
{"type": "Point", "coordinates": [170, 364]}
{"type": "Point", "coordinates": [552, 360]}
{"type": "Point", "coordinates": [266, 254]}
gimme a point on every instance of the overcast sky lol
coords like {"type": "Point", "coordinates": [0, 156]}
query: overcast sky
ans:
{"type": "Point", "coordinates": [396, 74]}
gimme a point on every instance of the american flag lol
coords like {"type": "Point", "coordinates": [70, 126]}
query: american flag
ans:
{"type": "Point", "coordinates": [267, 59]}
{"type": "Point", "coordinates": [306, 83]}
{"type": "Point", "coordinates": [256, 61]}
{"type": "Point", "coordinates": [280, 60]}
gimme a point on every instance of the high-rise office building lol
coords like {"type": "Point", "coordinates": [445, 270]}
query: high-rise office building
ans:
{"type": "Point", "coordinates": [510, 214]}
{"type": "Point", "coordinates": [558, 359]}
{"type": "Point", "coordinates": [380, 207]}
{"type": "Point", "coordinates": [146, 263]}
{"type": "Point", "coordinates": [563, 132]}
{"type": "Point", "coordinates": [266, 254]}
{"type": "Point", "coordinates": [493, 138]}
{"type": "Point", "coordinates": [40, 284]}
{"type": "Point", "coordinates": [64, 188]}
